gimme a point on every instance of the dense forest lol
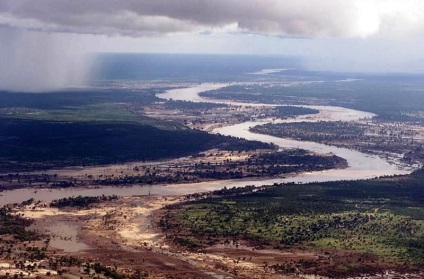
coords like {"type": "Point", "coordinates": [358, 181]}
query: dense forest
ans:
{"type": "Point", "coordinates": [30, 144]}
{"type": "Point", "coordinates": [39, 131]}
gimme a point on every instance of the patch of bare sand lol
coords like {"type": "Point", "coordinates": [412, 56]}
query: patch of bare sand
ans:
{"type": "Point", "coordinates": [45, 212]}
{"type": "Point", "coordinates": [125, 226]}
{"type": "Point", "coordinates": [138, 231]}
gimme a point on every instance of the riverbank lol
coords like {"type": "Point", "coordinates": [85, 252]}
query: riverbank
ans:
{"type": "Point", "coordinates": [360, 165]}
{"type": "Point", "coordinates": [130, 233]}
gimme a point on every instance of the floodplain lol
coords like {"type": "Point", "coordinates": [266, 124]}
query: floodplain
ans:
{"type": "Point", "coordinates": [125, 134]}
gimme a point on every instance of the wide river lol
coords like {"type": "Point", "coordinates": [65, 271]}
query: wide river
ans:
{"type": "Point", "coordinates": [361, 166]}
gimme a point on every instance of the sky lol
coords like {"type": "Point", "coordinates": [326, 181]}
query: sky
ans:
{"type": "Point", "coordinates": [45, 44]}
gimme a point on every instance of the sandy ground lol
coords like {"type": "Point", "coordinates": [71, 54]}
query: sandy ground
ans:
{"type": "Point", "coordinates": [121, 233]}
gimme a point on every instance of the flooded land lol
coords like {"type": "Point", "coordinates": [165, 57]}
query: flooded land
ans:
{"type": "Point", "coordinates": [236, 204]}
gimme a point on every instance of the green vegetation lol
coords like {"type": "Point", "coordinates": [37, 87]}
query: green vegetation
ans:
{"type": "Point", "coordinates": [262, 165]}
{"type": "Point", "coordinates": [80, 201]}
{"type": "Point", "coordinates": [15, 225]}
{"type": "Point", "coordinates": [393, 98]}
{"type": "Point", "coordinates": [317, 132]}
{"type": "Point", "coordinates": [290, 111]}
{"type": "Point", "coordinates": [30, 144]}
{"type": "Point", "coordinates": [381, 217]}
{"type": "Point", "coordinates": [76, 99]}
{"type": "Point", "coordinates": [109, 106]}
{"type": "Point", "coordinates": [369, 138]}
{"type": "Point", "coordinates": [83, 128]}
{"type": "Point", "coordinates": [106, 271]}
{"type": "Point", "coordinates": [186, 105]}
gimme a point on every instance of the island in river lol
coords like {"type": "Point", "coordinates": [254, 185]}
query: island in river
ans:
{"type": "Point", "coordinates": [158, 232]}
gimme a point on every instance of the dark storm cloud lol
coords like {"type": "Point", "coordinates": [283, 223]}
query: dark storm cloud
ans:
{"type": "Point", "coordinates": [55, 55]}
{"type": "Point", "coordinates": [310, 18]}
{"type": "Point", "coordinates": [34, 61]}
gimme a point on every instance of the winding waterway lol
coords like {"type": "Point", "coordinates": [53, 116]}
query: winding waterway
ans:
{"type": "Point", "coordinates": [361, 166]}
